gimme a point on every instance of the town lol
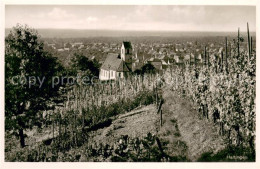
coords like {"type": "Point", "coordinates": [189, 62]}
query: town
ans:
{"type": "Point", "coordinates": [162, 55]}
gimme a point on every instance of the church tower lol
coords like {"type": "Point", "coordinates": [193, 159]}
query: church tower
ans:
{"type": "Point", "coordinates": [126, 52]}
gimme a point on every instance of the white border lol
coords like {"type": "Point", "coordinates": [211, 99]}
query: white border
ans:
{"type": "Point", "coordinates": [120, 165]}
{"type": "Point", "coordinates": [135, 2]}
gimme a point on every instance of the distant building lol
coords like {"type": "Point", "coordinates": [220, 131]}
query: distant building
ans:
{"type": "Point", "coordinates": [176, 58]}
{"type": "Point", "coordinates": [157, 63]}
{"type": "Point", "coordinates": [167, 62]}
{"type": "Point", "coordinates": [51, 45]}
{"type": "Point", "coordinates": [199, 58]}
{"type": "Point", "coordinates": [77, 44]}
{"type": "Point", "coordinates": [188, 59]}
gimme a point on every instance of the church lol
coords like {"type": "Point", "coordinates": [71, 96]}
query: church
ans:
{"type": "Point", "coordinates": [118, 65]}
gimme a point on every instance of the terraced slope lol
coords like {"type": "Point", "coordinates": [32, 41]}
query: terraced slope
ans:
{"type": "Point", "coordinates": [199, 134]}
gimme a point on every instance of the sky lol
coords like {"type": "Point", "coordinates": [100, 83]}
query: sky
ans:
{"type": "Point", "coordinates": [130, 17]}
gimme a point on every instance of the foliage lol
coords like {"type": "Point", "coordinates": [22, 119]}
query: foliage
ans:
{"type": "Point", "coordinates": [224, 94]}
{"type": "Point", "coordinates": [147, 68]}
{"type": "Point", "coordinates": [25, 58]}
{"type": "Point", "coordinates": [82, 63]}
{"type": "Point", "coordinates": [103, 113]}
{"type": "Point", "coordinates": [123, 149]}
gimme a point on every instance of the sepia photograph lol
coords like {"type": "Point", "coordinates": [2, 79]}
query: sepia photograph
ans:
{"type": "Point", "coordinates": [129, 83]}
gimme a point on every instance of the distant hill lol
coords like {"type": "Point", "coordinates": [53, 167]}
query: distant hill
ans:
{"type": "Point", "coordinates": [80, 33]}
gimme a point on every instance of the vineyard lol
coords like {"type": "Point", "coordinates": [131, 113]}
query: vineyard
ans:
{"type": "Point", "coordinates": [88, 108]}
{"type": "Point", "coordinates": [222, 90]}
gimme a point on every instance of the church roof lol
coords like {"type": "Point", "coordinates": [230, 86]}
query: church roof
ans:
{"type": "Point", "coordinates": [114, 62]}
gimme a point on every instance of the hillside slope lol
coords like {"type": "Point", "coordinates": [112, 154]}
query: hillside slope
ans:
{"type": "Point", "coordinates": [199, 134]}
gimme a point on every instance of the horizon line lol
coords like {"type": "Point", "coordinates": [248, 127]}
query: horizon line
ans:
{"type": "Point", "coordinates": [132, 30]}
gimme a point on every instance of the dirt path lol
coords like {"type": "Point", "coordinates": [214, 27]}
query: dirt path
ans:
{"type": "Point", "coordinates": [136, 123]}
{"type": "Point", "coordinates": [200, 135]}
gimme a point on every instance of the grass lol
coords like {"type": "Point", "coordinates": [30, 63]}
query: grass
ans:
{"type": "Point", "coordinates": [173, 120]}
{"type": "Point", "coordinates": [177, 134]}
{"type": "Point", "coordinates": [99, 115]}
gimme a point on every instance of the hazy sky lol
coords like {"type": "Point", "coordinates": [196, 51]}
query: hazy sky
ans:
{"type": "Point", "coordinates": [171, 18]}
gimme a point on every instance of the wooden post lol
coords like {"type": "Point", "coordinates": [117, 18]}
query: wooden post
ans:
{"type": "Point", "coordinates": [75, 127]}
{"type": "Point", "coordinates": [230, 50]}
{"type": "Point", "coordinates": [190, 59]}
{"type": "Point", "coordinates": [238, 40]}
{"type": "Point", "coordinates": [222, 57]}
{"type": "Point", "coordinates": [216, 64]}
{"type": "Point", "coordinates": [156, 99]}
{"type": "Point", "coordinates": [161, 120]}
{"type": "Point", "coordinates": [195, 61]}
{"type": "Point", "coordinates": [251, 45]}
{"type": "Point", "coordinates": [160, 146]}
{"type": "Point", "coordinates": [60, 129]}
{"type": "Point", "coordinates": [205, 56]}
{"type": "Point", "coordinates": [248, 43]}
{"type": "Point", "coordinates": [160, 106]}
{"type": "Point", "coordinates": [52, 128]}
{"type": "Point", "coordinates": [208, 60]}
{"type": "Point", "coordinates": [83, 119]}
{"type": "Point", "coordinates": [226, 55]}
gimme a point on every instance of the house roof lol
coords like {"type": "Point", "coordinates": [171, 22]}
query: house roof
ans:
{"type": "Point", "coordinates": [113, 62]}
{"type": "Point", "coordinates": [127, 45]}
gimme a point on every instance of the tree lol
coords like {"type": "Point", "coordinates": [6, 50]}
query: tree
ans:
{"type": "Point", "coordinates": [82, 63]}
{"type": "Point", "coordinates": [147, 68]}
{"type": "Point", "coordinates": [26, 64]}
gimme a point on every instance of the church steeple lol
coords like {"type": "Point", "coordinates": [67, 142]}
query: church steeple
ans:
{"type": "Point", "coordinates": [126, 51]}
